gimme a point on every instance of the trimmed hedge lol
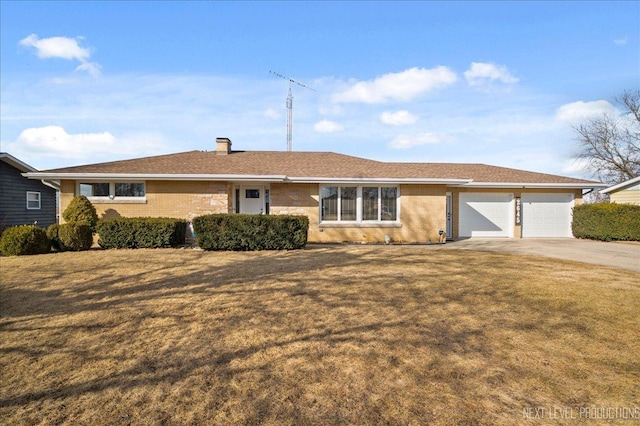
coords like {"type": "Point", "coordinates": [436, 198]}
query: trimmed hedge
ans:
{"type": "Point", "coordinates": [607, 222]}
{"type": "Point", "coordinates": [71, 236]}
{"type": "Point", "coordinates": [75, 236]}
{"type": "Point", "coordinates": [242, 232]}
{"type": "Point", "coordinates": [24, 239]}
{"type": "Point", "coordinates": [141, 232]}
{"type": "Point", "coordinates": [52, 234]}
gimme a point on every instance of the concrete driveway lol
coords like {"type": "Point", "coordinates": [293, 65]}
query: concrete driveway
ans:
{"type": "Point", "coordinates": [625, 255]}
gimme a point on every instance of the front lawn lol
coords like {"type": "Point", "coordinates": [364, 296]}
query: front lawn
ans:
{"type": "Point", "coordinates": [326, 335]}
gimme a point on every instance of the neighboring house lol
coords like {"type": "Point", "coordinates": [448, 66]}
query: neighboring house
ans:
{"type": "Point", "coordinates": [627, 192]}
{"type": "Point", "coordinates": [24, 201]}
{"type": "Point", "coordinates": [346, 198]}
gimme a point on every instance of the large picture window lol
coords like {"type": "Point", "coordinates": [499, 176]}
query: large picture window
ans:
{"type": "Point", "coordinates": [358, 203]}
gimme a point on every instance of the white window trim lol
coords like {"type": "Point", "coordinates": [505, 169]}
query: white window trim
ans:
{"type": "Point", "coordinates": [112, 198]}
{"type": "Point", "coordinates": [39, 194]}
{"type": "Point", "coordinates": [359, 221]}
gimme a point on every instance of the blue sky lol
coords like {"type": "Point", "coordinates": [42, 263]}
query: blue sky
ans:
{"type": "Point", "coordinates": [483, 82]}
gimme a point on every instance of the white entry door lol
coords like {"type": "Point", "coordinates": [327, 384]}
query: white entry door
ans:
{"type": "Point", "coordinates": [252, 199]}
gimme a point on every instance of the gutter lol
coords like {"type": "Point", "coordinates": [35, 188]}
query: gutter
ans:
{"type": "Point", "coordinates": [525, 185]}
{"type": "Point", "coordinates": [433, 181]}
{"type": "Point", "coordinates": [621, 185]}
{"type": "Point", "coordinates": [456, 183]}
{"type": "Point", "coordinates": [143, 176]}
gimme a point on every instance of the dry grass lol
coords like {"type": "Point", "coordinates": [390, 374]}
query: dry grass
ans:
{"type": "Point", "coordinates": [327, 335]}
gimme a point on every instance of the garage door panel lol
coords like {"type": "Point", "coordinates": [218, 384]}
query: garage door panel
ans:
{"type": "Point", "coordinates": [485, 215]}
{"type": "Point", "coordinates": [546, 215]}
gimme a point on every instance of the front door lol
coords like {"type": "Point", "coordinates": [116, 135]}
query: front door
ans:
{"type": "Point", "coordinates": [252, 199]}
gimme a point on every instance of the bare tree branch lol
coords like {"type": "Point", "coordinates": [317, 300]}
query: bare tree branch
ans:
{"type": "Point", "coordinates": [611, 144]}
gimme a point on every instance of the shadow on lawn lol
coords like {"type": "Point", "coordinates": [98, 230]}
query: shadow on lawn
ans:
{"type": "Point", "coordinates": [277, 319]}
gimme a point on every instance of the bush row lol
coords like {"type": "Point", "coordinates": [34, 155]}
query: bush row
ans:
{"type": "Point", "coordinates": [141, 232]}
{"type": "Point", "coordinates": [242, 232]}
{"type": "Point", "coordinates": [607, 222]}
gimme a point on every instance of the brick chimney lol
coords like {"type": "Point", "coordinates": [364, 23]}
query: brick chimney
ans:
{"type": "Point", "coordinates": [223, 146]}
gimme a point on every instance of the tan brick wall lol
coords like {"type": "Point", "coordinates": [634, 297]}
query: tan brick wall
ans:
{"type": "Point", "coordinates": [422, 214]}
{"type": "Point", "coordinates": [183, 200]}
{"type": "Point", "coordinates": [296, 199]}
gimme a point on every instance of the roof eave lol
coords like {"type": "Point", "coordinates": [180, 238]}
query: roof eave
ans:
{"type": "Point", "coordinates": [539, 185]}
{"type": "Point", "coordinates": [383, 180]}
{"type": "Point", "coordinates": [621, 185]}
{"type": "Point", "coordinates": [147, 176]}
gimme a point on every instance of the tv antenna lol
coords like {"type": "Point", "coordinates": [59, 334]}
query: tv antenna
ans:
{"type": "Point", "coordinates": [290, 107]}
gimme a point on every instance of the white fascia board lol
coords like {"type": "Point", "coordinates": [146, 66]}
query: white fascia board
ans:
{"type": "Point", "coordinates": [144, 176]}
{"type": "Point", "coordinates": [532, 185]}
{"type": "Point", "coordinates": [18, 164]}
{"type": "Point", "coordinates": [329, 180]}
{"type": "Point", "coordinates": [621, 185]}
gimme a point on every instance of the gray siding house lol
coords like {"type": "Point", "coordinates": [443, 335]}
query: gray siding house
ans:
{"type": "Point", "coordinates": [24, 201]}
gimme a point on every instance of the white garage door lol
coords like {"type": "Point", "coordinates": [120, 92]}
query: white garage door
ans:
{"type": "Point", "coordinates": [486, 215]}
{"type": "Point", "coordinates": [546, 215]}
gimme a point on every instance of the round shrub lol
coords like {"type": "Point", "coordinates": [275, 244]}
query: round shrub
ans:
{"type": "Point", "coordinates": [52, 234]}
{"type": "Point", "coordinates": [24, 239]}
{"type": "Point", "coordinates": [81, 210]}
{"type": "Point", "coordinates": [75, 236]}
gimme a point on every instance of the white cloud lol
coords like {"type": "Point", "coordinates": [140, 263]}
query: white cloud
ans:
{"type": "Point", "coordinates": [93, 68]}
{"type": "Point", "coordinates": [409, 141]}
{"type": "Point", "coordinates": [272, 114]}
{"type": "Point", "coordinates": [578, 111]}
{"type": "Point", "coordinates": [326, 126]}
{"type": "Point", "coordinates": [398, 118]}
{"type": "Point", "coordinates": [577, 166]}
{"type": "Point", "coordinates": [482, 75]}
{"type": "Point", "coordinates": [621, 41]}
{"type": "Point", "coordinates": [62, 48]}
{"type": "Point", "coordinates": [56, 142]}
{"type": "Point", "coordinates": [401, 86]}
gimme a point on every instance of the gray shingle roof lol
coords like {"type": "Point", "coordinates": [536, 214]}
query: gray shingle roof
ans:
{"type": "Point", "coordinates": [310, 164]}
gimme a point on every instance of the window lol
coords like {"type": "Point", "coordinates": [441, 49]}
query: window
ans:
{"type": "Point", "coordinates": [112, 189]}
{"type": "Point", "coordinates": [251, 193]}
{"type": "Point", "coordinates": [359, 203]}
{"type": "Point", "coordinates": [33, 200]}
{"type": "Point", "coordinates": [329, 202]}
{"type": "Point", "coordinates": [129, 189]}
{"type": "Point", "coordinates": [94, 189]}
{"type": "Point", "coordinates": [348, 203]}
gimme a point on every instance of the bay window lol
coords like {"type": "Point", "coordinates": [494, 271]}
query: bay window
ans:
{"type": "Point", "coordinates": [359, 203]}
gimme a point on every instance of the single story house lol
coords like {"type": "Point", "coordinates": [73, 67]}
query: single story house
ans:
{"type": "Point", "coordinates": [24, 201]}
{"type": "Point", "coordinates": [627, 192]}
{"type": "Point", "coordinates": [346, 198]}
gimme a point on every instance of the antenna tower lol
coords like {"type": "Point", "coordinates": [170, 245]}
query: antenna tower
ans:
{"type": "Point", "coordinates": [290, 107]}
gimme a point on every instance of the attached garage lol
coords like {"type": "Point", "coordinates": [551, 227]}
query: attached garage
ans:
{"type": "Point", "coordinates": [486, 215]}
{"type": "Point", "coordinates": [546, 215]}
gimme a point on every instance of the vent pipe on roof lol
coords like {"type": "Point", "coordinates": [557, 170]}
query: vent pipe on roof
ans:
{"type": "Point", "coordinates": [223, 146]}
